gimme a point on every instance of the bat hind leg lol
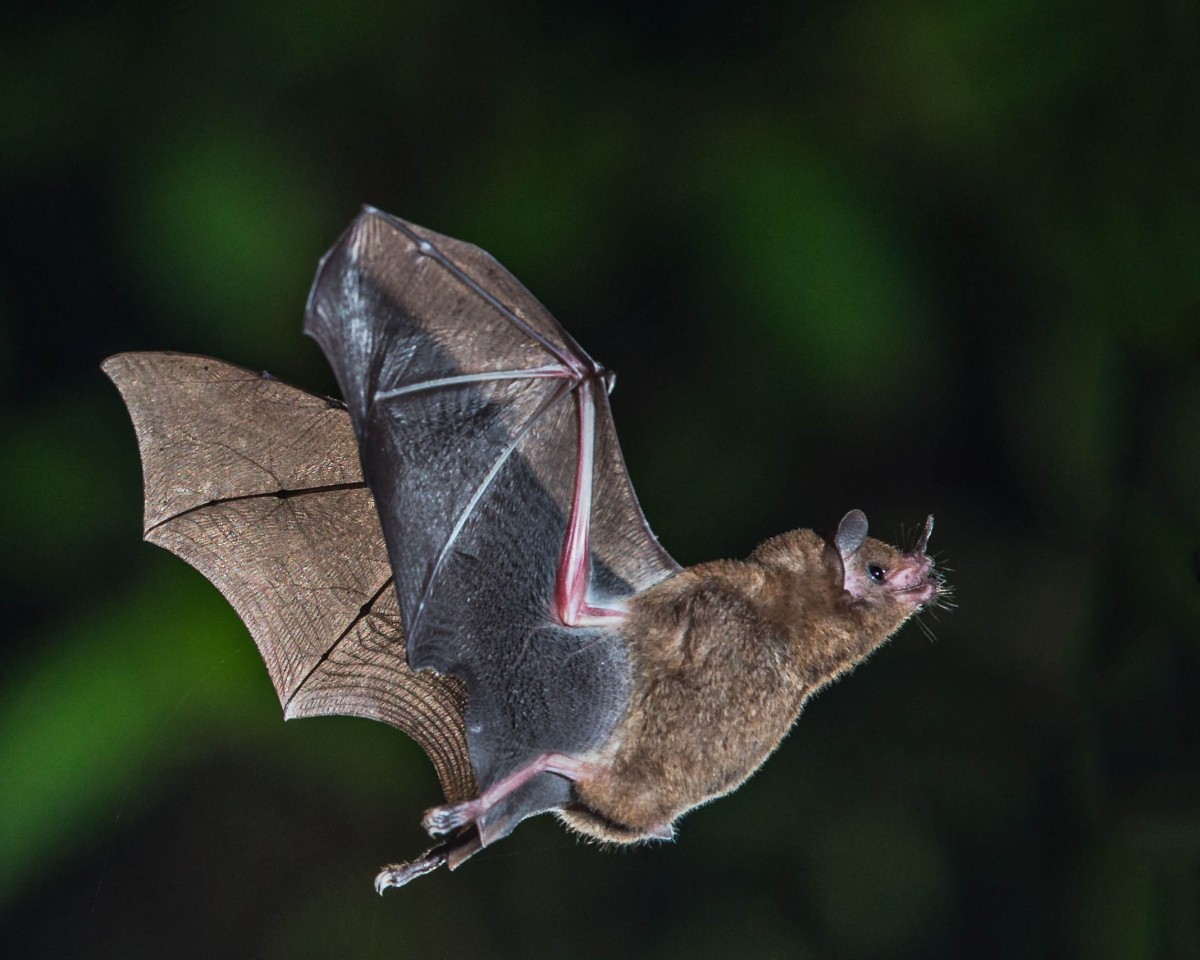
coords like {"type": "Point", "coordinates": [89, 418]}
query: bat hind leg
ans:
{"type": "Point", "coordinates": [451, 853]}
{"type": "Point", "coordinates": [438, 821]}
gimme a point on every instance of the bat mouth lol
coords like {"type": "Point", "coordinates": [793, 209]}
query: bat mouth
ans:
{"type": "Point", "coordinates": [926, 591]}
{"type": "Point", "coordinates": [916, 580]}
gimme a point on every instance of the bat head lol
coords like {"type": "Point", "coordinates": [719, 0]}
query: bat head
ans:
{"type": "Point", "coordinates": [881, 576]}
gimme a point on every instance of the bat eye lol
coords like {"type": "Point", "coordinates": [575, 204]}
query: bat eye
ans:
{"type": "Point", "coordinates": [876, 572]}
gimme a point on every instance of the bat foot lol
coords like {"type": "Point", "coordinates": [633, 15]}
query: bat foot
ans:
{"type": "Point", "coordinates": [439, 821]}
{"type": "Point", "coordinates": [398, 874]}
{"type": "Point", "coordinates": [450, 854]}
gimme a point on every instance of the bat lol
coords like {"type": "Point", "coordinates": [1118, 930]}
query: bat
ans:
{"type": "Point", "coordinates": [455, 549]}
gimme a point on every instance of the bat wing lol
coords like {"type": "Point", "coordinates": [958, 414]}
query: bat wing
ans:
{"type": "Point", "coordinates": [487, 440]}
{"type": "Point", "coordinates": [258, 486]}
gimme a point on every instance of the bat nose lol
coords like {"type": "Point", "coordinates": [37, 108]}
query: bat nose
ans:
{"type": "Point", "coordinates": [925, 535]}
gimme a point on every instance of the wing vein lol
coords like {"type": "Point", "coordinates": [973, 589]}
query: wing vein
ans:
{"type": "Point", "coordinates": [281, 494]}
{"type": "Point", "coordinates": [533, 373]}
{"type": "Point", "coordinates": [430, 249]}
{"type": "Point", "coordinates": [363, 611]}
{"type": "Point", "coordinates": [465, 515]}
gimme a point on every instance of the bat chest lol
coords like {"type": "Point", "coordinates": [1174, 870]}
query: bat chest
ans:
{"type": "Point", "coordinates": [698, 724]}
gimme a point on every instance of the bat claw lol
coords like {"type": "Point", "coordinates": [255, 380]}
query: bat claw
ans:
{"type": "Point", "coordinates": [450, 854]}
{"type": "Point", "coordinates": [439, 821]}
{"type": "Point", "coordinates": [398, 874]}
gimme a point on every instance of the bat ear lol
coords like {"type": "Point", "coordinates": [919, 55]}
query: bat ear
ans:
{"type": "Point", "coordinates": [851, 533]}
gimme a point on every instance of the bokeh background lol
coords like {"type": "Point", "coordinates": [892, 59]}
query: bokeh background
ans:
{"type": "Point", "coordinates": [928, 255]}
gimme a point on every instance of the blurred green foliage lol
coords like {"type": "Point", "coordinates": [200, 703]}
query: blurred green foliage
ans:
{"type": "Point", "coordinates": [904, 256]}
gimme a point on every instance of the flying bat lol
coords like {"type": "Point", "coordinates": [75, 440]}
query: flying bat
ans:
{"type": "Point", "coordinates": [454, 548]}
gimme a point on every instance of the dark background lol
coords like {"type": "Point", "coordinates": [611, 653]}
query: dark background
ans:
{"type": "Point", "coordinates": [928, 255]}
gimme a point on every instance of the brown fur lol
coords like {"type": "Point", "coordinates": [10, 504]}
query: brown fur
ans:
{"type": "Point", "coordinates": [724, 656]}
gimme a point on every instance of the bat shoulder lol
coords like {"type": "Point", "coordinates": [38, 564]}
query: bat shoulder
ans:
{"type": "Point", "coordinates": [675, 620]}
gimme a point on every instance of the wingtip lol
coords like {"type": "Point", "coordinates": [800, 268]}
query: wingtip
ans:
{"type": "Point", "coordinates": [354, 244]}
{"type": "Point", "coordinates": [109, 365]}
{"type": "Point", "coordinates": [369, 214]}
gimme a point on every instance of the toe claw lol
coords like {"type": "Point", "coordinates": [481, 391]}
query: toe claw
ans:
{"type": "Point", "coordinates": [438, 821]}
{"type": "Point", "coordinates": [398, 874]}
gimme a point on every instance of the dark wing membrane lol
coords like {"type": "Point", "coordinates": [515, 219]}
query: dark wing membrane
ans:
{"type": "Point", "coordinates": [621, 539]}
{"type": "Point", "coordinates": [258, 486]}
{"type": "Point", "coordinates": [465, 396]}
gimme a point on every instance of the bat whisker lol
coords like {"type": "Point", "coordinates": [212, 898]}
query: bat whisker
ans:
{"type": "Point", "coordinates": [924, 628]}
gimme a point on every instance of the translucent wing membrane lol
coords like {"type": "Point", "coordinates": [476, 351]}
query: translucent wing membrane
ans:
{"type": "Point", "coordinates": [467, 398]}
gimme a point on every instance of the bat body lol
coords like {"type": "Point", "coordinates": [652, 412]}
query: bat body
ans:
{"type": "Point", "coordinates": [456, 550]}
